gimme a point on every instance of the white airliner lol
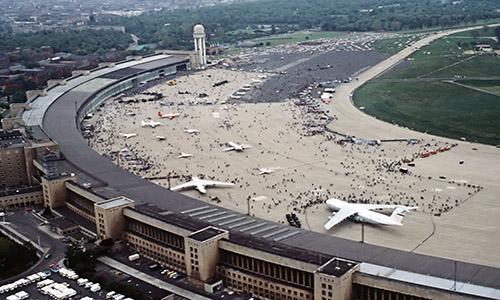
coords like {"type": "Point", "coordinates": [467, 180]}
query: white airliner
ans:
{"type": "Point", "coordinates": [168, 115]}
{"type": "Point", "coordinates": [364, 213]}
{"type": "Point", "coordinates": [185, 155]}
{"type": "Point", "coordinates": [201, 185]}
{"type": "Point", "coordinates": [191, 131]}
{"type": "Point", "coordinates": [160, 137]}
{"type": "Point", "coordinates": [127, 135]}
{"type": "Point", "coordinates": [236, 147]}
{"type": "Point", "coordinates": [151, 124]}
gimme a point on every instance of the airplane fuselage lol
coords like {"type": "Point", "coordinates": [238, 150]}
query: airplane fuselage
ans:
{"type": "Point", "coordinates": [363, 215]}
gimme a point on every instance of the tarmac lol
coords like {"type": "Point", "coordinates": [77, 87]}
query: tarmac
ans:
{"type": "Point", "coordinates": [457, 202]}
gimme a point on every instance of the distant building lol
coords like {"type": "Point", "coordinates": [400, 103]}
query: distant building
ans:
{"type": "Point", "coordinates": [4, 61]}
{"type": "Point", "coordinates": [484, 48]}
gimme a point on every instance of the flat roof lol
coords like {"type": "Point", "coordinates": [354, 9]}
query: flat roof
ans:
{"type": "Point", "coordinates": [62, 223]}
{"type": "Point", "coordinates": [11, 139]}
{"type": "Point", "coordinates": [115, 202]}
{"type": "Point", "coordinates": [170, 217]}
{"type": "Point", "coordinates": [87, 162]}
{"type": "Point", "coordinates": [76, 218]}
{"type": "Point", "coordinates": [337, 267]}
{"type": "Point", "coordinates": [206, 234]}
{"type": "Point", "coordinates": [11, 191]}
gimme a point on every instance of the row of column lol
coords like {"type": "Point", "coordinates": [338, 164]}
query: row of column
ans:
{"type": "Point", "coordinates": [201, 51]}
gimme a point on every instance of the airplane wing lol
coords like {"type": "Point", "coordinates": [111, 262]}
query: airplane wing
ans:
{"type": "Point", "coordinates": [228, 149]}
{"type": "Point", "coordinates": [339, 216]}
{"type": "Point", "coordinates": [232, 144]}
{"type": "Point", "coordinates": [246, 146]}
{"type": "Point", "coordinates": [183, 186]}
{"type": "Point", "coordinates": [379, 206]}
{"type": "Point", "coordinates": [217, 183]}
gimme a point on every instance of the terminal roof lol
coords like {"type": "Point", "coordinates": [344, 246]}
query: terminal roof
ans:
{"type": "Point", "coordinates": [206, 234]}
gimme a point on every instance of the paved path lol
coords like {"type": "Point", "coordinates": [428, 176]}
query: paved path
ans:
{"type": "Point", "coordinates": [150, 279]}
{"type": "Point", "coordinates": [472, 88]}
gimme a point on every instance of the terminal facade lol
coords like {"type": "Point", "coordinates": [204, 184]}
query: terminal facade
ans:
{"type": "Point", "coordinates": [34, 170]}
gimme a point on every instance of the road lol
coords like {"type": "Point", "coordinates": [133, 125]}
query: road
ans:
{"type": "Point", "coordinates": [150, 279]}
{"type": "Point", "coordinates": [27, 225]}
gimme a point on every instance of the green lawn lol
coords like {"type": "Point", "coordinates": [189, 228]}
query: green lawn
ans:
{"type": "Point", "coordinates": [487, 85]}
{"type": "Point", "coordinates": [436, 107]}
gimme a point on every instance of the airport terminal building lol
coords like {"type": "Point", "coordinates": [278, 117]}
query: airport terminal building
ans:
{"type": "Point", "coordinates": [47, 161]}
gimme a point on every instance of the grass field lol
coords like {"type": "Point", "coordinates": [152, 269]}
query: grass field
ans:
{"type": "Point", "coordinates": [492, 86]}
{"type": "Point", "coordinates": [299, 36]}
{"type": "Point", "coordinates": [416, 96]}
{"type": "Point", "coordinates": [438, 110]}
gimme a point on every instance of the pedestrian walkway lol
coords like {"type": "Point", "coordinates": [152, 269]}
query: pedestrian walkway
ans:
{"type": "Point", "coordinates": [150, 279]}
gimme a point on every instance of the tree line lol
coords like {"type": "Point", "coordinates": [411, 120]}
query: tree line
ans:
{"type": "Point", "coordinates": [173, 29]}
{"type": "Point", "coordinates": [80, 42]}
{"type": "Point", "coordinates": [228, 23]}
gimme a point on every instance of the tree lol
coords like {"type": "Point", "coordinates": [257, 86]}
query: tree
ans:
{"type": "Point", "coordinates": [82, 262]}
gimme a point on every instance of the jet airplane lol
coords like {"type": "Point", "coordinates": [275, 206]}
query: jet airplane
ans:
{"type": "Point", "coordinates": [191, 131]}
{"type": "Point", "coordinates": [160, 137]}
{"type": "Point", "coordinates": [364, 213]}
{"type": "Point", "coordinates": [200, 185]}
{"type": "Point", "coordinates": [151, 124]}
{"type": "Point", "coordinates": [236, 147]}
{"type": "Point", "coordinates": [263, 171]}
{"type": "Point", "coordinates": [127, 135]}
{"type": "Point", "coordinates": [168, 115]}
{"type": "Point", "coordinates": [185, 155]}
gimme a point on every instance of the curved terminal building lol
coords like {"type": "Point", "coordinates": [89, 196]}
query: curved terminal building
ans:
{"type": "Point", "coordinates": [213, 246]}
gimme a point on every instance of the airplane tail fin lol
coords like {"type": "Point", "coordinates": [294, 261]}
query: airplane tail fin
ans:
{"type": "Point", "coordinates": [400, 212]}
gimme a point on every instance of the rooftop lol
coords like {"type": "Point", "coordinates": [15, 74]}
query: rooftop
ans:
{"type": "Point", "coordinates": [206, 234]}
{"type": "Point", "coordinates": [171, 217]}
{"type": "Point", "coordinates": [19, 190]}
{"type": "Point", "coordinates": [337, 267]}
{"type": "Point", "coordinates": [115, 202]}
{"type": "Point", "coordinates": [62, 223]}
{"type": "Point", "coordinates": [71, 216]}
{"type": "Point", "coordinates": [12, 139]}
{"type": "Point", "coordinates": [279, 248]}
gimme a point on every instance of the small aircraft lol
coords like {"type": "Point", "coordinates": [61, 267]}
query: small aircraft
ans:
{"type": "Point", "coordinates": [263, 171]}
{"type": "Point", "coordinates": [160, 137]}
{"type": "Point", "coordinates": [201, 185]}
{"type": "Point", "coordinates": [151, 124]}
{"type": "Point", "coordinates": [236, 147]}
{"type": "Point", "coordinates": [168, 116]}
{"type": "Point", "coordinates": [364, 213]}
{"type": "Point", "coordinates": [185, 155]}
{"type": "Point", "coordinates": [127, 135]}
{"type": "Point", "coordinates": [191, 131]}
{"type": "Point", "coordinates": [224, 107]}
